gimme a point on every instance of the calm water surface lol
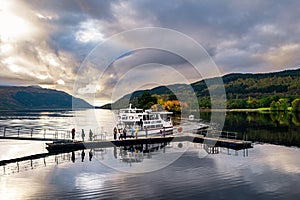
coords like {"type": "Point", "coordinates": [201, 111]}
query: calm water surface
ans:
{"type": "Point", "coordinates": [171, 171]}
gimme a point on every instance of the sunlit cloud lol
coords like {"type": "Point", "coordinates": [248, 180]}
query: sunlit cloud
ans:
{"type": "Point", "coordinates": [6, 48]}
{"type": "Point", "coordinates": [285, 55]}
{"type": "Point", "coordinates": [44, 42]}
{"type": "Point", "coordinates": [89, 31]}
{"type": "Point", "coordinates": [89, 89]}
{"type": "Point", "coordinates": [61, 82]}
{"type": "Point", "coordinates": [45, 17]}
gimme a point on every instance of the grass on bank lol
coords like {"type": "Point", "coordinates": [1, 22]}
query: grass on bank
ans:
{"type": "Point", "coordinates": [266, 109]}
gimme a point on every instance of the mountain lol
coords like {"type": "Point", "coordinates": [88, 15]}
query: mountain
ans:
{"type": "Point", "coordinates": [35, 97]}
{"type": "Point", "coordinates": [250, 90]}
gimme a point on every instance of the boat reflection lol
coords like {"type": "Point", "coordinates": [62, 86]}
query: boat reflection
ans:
{"type": "Point", "coordinates": [137, 153]}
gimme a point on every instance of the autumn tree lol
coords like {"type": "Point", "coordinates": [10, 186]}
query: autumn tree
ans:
{"type": "Point", "coordinates": [174, 105]}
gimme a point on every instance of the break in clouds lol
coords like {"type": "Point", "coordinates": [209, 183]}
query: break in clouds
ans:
{"type": "Point", "coordinates": [44, 42]}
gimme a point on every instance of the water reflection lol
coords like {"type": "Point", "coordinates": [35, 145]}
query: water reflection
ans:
{"type": "Point", "coordinates": [270, 172]}
{"type": "Point", "coordinates": [90, 154]}
{"type": "Point", "coordinates": [73, 156]}
{"type": "Point", "coordinates": [188, 177]}
{"type": "Point", "coordinates": [270, 127]}
{"type": "Point", "coordinates": [123, 154]}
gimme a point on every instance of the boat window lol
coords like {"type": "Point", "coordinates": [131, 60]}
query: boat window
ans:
{"type": "Point", "coordinates": [145, 117]}
{"type": "Point", "coordinates": [158, 125]}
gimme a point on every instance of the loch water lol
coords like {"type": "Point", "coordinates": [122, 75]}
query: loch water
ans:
{"type": "Point", "coordinates": [269, 170]}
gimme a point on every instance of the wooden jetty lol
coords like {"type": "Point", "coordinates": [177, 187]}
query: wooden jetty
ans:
{"type": "Point", "coordinates": [65, 144]}
{"type": "Point", "coordinates": [218, 142]}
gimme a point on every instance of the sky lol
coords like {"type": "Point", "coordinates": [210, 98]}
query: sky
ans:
{"type": "Point", "coordinates": [45, 42]}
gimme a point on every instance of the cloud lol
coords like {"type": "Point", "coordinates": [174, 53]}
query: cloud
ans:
{"type": "Point", "coordinates": [45, 42]}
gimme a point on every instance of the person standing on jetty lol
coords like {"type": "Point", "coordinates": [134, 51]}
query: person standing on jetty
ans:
{"type": "Point", "coordinates": [121, 134]}
{"type": "Point", "coordinates": [115, 133]}
{"type": "Point", "coordinates": [124, 133]}
{"type": "Point", "coordinates": [91, 135]}
{"type": "Point", "coordinates": [73, 133]}
{"type": "Point", "coordinates": [136, 132]}
{"type": "Point", "coordinates": [82, 134]}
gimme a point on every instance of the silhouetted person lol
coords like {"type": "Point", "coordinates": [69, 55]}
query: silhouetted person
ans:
{"type": "Point", "coordinates": [132, 131]}
{"type": "Point", "coordinates": [146, 130]}
{"type": "Point", "coordinates": [141, 123]}
{"type": "Point", "coordinates": [73, 133]}
{"type": "Point", "coordinates": [124, 133]}
{"type": "Point", "coordinates": [82, 155]}
{"type": "Point", "coordinates": [121, 134]}
{"type": "Point", "coordinates": [91, 135]}
{"type": "Point", "coordinates": [115, 133]}
{"type": "Point", "coordinates": [136, 132]}
{"type": "Point", "coordinates": [90, 155]}
{"type": "Point", "coordinates": [73, 156]}
{"type": "Point", "coordinates": [82, 134]}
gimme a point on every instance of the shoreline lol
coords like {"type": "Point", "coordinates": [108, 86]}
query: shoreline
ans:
{"type": "Point", "coordinates": [244, 110]}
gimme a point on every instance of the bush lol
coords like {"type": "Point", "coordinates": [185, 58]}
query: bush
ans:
{"type": "Point", "coordinates": [296, 105]}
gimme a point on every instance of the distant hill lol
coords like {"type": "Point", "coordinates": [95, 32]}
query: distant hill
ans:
{"type": "Point", "coordinates": [261, 87]}
{"type": "Point", "coordinates": [35, 97]}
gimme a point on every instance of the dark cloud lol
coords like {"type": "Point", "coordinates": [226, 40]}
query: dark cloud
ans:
{"type": "Point", "coordinates": [264, 24]}
{"type": "Point", "coordinates": [240, 36]}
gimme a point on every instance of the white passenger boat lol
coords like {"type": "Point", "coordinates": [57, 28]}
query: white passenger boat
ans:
{"type": "Point", "coordinates": [144, 123]}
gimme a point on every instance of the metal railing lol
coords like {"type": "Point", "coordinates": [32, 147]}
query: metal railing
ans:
{"type": "Point", "coordinates": [50, 133]}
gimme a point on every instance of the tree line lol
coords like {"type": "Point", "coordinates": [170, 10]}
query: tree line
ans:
{"type": "Point", "coordinates": [171, 103]}
{"type": "Point", "coordinates": [277, 91]}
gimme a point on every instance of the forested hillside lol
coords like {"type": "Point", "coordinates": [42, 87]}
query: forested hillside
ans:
{"type": "Point", "coordinates": [34, 97]}
{"type": "Point", "coordinates": [242, 90]}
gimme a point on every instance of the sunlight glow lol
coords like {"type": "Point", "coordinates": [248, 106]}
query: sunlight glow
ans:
{"type": "Point", "coordinates": [12, 27]}
{"type": "Point", "coordinates": [41, 76]}
{"type": "Point", "coordinates": [6, 48]}
{"type": "Point", "coordinates": [60, 82]}
{"type": "Point", "coordinates": [10, 63]}
{"type": "Point", "coordinates": [14, 68]}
